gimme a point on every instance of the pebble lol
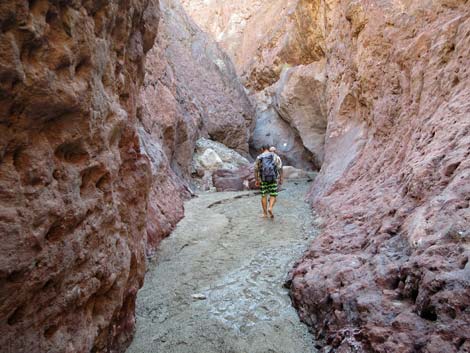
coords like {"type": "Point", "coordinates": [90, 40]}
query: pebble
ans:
{"type": "Point", "coordinates": [199, 296]}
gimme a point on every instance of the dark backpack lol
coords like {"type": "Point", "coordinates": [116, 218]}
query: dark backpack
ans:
{"type": "Point", "coordinates": [268, 169]}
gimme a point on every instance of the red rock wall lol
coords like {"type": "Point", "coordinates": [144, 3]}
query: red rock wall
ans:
{"type": "Point", "coordinates": [93, 174]}
{"type": "Point", "coordinates": [190, 90]}
{"type": "Point", "coordinates": [390, 271]}
{"type": "Point", "coordinates": [73, 181]}
{"type": "Point", "coordinates": [262, 36]}
{"type": "Point", "coordinates": [278, 49]}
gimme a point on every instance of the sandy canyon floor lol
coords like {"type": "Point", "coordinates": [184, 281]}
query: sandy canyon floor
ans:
{"type": "Point", "coordinates": [216, 284]}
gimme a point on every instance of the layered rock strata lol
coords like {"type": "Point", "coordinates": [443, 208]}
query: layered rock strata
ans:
{"type": "Point", "coordinates": [73, 179]}
{"type": "Point", "coordinates": [390, 271]}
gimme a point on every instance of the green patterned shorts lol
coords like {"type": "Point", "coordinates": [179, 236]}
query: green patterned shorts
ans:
{"type": "Point", "coordinates": [269, 187]}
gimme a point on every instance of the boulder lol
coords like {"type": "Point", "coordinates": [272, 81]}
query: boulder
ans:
{"type": "Point", "coordinates": [210, 160]}
{"type": "Point", "coordinates": [234, 180]}
{"type": "Point", "coordinates": [210, 157]}
{"type": "Point", "coordinates": [228, 180]}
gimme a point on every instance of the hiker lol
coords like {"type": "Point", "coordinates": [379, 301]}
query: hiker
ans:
{"type": "Point", "coordinates": [268, 169]}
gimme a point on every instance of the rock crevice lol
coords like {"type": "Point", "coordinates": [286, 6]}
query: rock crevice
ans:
{"type": "Point", "coordinates": [94, 170]}
{"type": "Point", "coordinates": [278, 48]}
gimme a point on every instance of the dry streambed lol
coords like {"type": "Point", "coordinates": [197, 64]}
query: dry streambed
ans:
{"type": "Point", "coordinates": [216, 285]}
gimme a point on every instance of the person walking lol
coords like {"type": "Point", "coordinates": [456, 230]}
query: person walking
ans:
{"type": "Point", "coordinates": [268, 171]}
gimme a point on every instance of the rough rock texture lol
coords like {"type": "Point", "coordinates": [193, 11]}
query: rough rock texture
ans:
{"type": "Point", "coordinates": [300, 100]}
{"type": "Point", "coordinates": [390, 271]}
{"type": "Point", "coordinates": [272, 130]}
{"type": "Point", "coordinates": [73, 180]}
{"type": "Point", "coordinates": [210, 157]}
{"type": "Point", "coordinates": [194, 87]}
{"type": "Point", "coordinates": [234, 180]}
{"type": "Point", "coordinates": [263, 37]}
{"type": "Point", "coordinates": [278, 49]}
{"type": "Point", "coordinates": [166, 196]}
{"type": "Point", "coordinates": [91, 174]}
{"type": "Point", "coordinates": [190, 90]}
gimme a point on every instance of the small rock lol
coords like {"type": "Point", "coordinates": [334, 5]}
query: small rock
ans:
{"type": "Point", "coordinates": [199, 296]}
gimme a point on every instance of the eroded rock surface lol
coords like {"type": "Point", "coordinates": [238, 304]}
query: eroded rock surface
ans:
{"type": "Point", "coordinates": [198, 82]}
{"type": "Point", "coordinates": [73, 180]}
{"type": "Point", "coordinates": [190, 90]}
{"type": "Point", "coordinates": [300, 100]}
{"type": "Point", "coordinates": [272, 130]}
{"type": "Point", "coordinates": [278, 49]}
{"type": "Point", "coordinates": [92, 174]}
{"type": "Point", "coordinates": [263, 36]}
{"type": "Point", "coordinates": [390, 272]}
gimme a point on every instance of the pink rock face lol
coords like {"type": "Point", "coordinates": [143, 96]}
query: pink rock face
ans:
{"type": "Point", "coordinates": [278, 50]}
{"type": "Point", "coordinates": [92, 175]}
{"type": "Point", "coordinates": [262, 36]}
{"type": "Point", "coordinates": [235, 180]}
{"type": "Point", "coordinates": [390, 271]}
{"type": "Point", "coordinates": [190, 90]}
{"type": "Point", "coordinates": [300, 100]}
{"type": "Point", "coordinates": [201, 86]}
{"type": "Point", "coordinates": [73, 181]}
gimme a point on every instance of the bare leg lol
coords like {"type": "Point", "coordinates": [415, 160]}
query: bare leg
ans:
{"type": "Point", "coordinates": [272, 202]}
{"type": "Point", "coordinates": [264, 204]}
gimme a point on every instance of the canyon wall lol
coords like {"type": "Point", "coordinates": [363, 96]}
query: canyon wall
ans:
{"type": "Point", "coordinates": [190, 90]}
{"type": "Point", "coordinates": [390, 271]}
{"type": "Point", "coordinates": [94, 171]}
{"type": "Point", "coordinates": [278, 51]}
{"type": "Point", "coordinates": [73, 180]}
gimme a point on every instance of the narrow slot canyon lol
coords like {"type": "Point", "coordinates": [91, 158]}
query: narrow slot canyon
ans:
{"type": "Point", "coordinates": [217, 285]}
{"type": "Point", "coordinates": [130, 214]}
